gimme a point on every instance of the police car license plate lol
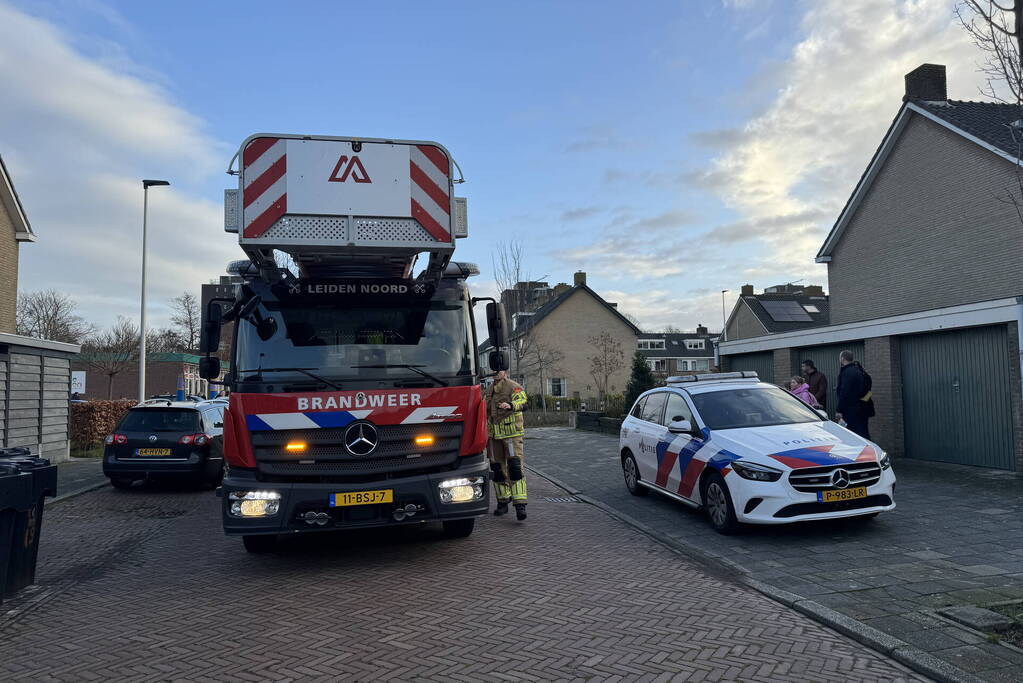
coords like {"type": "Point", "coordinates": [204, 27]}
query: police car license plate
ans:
{"type": "Point", "coordinates": [361, 498]}
{"type": "Point", "coordinates": [152, 451]}
{"type": "Point", "coordinates": [843, 494]}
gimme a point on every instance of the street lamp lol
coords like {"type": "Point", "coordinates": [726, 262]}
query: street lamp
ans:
{"type": "Point", "coordinates": [724, 332]}
{"type": "Point", "coordinates": [146, 184]}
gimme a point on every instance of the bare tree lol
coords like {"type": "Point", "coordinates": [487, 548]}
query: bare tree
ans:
{"type": "Point", "coordinates": [112, 351]}
{"type": "Point", "coordinates": [997, 30]}
{"type": "Point", "coordinates": [166, 340]}
{"type": "Point", "coordinates": [632, 319]}
{"type": "Point", "coordinates": [512, 278]}
{"type": "Point", "coordinates": [539, 359]}
{"type": "Point", "coordinates": [53, 315]}
{"type": "Point", "coordinates": [607, 359]}
{"type": "Point", "coordinates": [188, 318]}
{"type": "Point", "coordinates": [672, 329]}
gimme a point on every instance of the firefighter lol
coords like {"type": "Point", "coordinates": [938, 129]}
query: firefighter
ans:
{"type": "Point", "coordinates": [505, 400]}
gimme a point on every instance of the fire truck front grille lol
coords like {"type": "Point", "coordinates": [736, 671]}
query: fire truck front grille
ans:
{"type": "Point", "coordinates": [326, 455]}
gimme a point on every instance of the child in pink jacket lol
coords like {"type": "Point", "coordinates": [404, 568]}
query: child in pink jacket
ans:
{"type": "Point", "coordinates": [801, 390]}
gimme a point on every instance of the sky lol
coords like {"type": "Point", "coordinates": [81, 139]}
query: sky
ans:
{"type": "Point", "coordinates": [669, 149]}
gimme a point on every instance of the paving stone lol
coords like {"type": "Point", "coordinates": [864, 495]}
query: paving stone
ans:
{"type": "Point", "coordinates": [144, 585]}
{"type": "Point", "coordinates": [978, 618]}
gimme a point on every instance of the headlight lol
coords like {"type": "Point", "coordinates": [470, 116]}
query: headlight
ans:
{"type": "Point", "coordinates": [463, 490]}
{"type": "Point", "coordinates": [254, 503]}
{"type": "Point", "coordinates": [750, 470]}
{"type": "Point", "coordinates": [886, 461]}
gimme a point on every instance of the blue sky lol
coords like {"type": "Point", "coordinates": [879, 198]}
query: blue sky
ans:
{"type": "Point", "coordinates": [670, 149]}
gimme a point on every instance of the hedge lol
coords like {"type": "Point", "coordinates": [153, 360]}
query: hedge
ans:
{"type": "Point", "coordinates": [93, 420]}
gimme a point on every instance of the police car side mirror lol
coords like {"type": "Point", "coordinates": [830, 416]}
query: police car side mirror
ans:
{"type": "Point", "coordinates": [680, 427]}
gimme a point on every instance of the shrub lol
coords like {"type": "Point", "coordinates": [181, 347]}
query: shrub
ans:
{"type": "Point", "coordinates": [93, 420]}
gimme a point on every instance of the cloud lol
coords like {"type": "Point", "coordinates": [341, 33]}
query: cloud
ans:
{"type": "Point", "coordinates": [597, 138]}
{"type": "Point", "coordinates": [580, 213]}
{"type": "Point", "coordinates": [78, 134]}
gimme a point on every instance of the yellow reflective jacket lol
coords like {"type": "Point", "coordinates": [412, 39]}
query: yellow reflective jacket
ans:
{"type": "Point", "coordinates": [503, 423]}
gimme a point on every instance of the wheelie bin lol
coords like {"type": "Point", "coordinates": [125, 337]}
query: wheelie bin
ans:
{"type": "Point", "coordinates": [28, 522]}
{"type": "Point", "coordinates": [15, 498]}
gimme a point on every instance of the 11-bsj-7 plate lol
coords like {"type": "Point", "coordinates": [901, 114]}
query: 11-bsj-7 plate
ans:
{"type": "Point", "coordinates": [361, 498]}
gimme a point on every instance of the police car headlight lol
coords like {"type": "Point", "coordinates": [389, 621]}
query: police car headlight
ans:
{"type": "Point", "coordinates": [886, 461]}
{"type": "Point", "coordinates": [254, 503]}
{"type": "Point", "coordinates": [463, 490]}
{"type": "Point", "coordinates": [750, 470]}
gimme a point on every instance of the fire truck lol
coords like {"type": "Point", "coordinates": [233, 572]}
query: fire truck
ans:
{"type": "Point", "coordinates": [354, 381]}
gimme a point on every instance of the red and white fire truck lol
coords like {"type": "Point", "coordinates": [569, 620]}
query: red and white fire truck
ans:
{"type": "Point", "coordinates": [354, 380]}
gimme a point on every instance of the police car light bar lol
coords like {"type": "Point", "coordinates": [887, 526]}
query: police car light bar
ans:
{"type": "Point", "coordinates": [712, 377]}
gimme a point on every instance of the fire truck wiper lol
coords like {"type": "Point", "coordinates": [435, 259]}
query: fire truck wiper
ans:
{"type": "Point", "coordinates": [304, 371]}
{"type": "Point", "coordinates": [413, 368]}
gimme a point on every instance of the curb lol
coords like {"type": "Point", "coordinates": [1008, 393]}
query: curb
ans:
{"type": "Point", "coordinates": [77, 492]}
{"type": "Point", "coordinates": [879, 641]}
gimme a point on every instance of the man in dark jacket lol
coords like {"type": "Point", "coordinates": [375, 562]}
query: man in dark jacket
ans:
{"type": "Point", "coordinates": [851, 388]}
{"type": "Point", "coordinates": [817, 381]}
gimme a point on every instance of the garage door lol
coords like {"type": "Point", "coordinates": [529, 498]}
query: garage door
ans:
{"type": "Point", "coordinates": [955, 395]}
{"type": "Point", "coordinates": [762, 363]}
{"type": "Point", "coordinates": [825, 359]}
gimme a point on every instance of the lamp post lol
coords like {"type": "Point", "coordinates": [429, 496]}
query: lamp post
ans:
{"type": "Point", "coordinates": [724, 332]}
{"type": "Point", "coordinates": [146, 184]}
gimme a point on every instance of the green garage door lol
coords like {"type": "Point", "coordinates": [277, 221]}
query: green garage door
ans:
{"type": "Point", "coordinates": [825, 359]}
{"type": "Point", "coordinates": [762, 363]}
{"type": "Point", "coordinates": [955, 397]}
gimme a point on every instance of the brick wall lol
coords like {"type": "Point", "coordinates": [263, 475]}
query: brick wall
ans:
{"type": "Point", "coordinates": [931, 232]}
{"type": "Point", "coordinates": [786, 365]}
{"type": "Point", "coordinates": [1016, 392]}
{"type": "Point", "coordinates": [8, 273]}
{"type": "Point", "coordinates": [161, 378]}
{"type": "Point", "coordinates": [881, 359]}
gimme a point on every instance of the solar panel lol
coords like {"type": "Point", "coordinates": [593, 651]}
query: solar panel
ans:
{"type": "Point", "coordinates": [786, 311]}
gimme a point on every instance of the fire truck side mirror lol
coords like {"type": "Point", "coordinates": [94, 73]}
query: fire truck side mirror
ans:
{"type": "Point", "coordinates": [209, 367]}
{"type": "Point", "coordinates": [498, 360]}
{"type": "Point", "coordinates": [497, 324]}
{"type": "Point", "coordinates": [210, 341]}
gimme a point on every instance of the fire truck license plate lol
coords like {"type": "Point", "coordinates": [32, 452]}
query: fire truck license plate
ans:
{"type": "Point", "coordinates": [845, 494]}
{"type": "Point", "coordinates": [361, 498]}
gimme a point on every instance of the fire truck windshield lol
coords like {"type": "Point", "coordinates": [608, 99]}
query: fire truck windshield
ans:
{"type": "Point", "coordinates": [359, 342]}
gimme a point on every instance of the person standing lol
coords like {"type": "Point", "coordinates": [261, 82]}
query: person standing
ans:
{"type": "Point", "coordinates": [505, 400]}
{"type": "Point", "coordinates": [852, 391]}
{"type": "Point", "coordinates": [817, 381]}
{"type": "Point", "coordinates": [801, 390]}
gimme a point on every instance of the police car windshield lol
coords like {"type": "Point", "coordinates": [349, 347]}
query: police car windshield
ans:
{"type": "Point", "coordinates": [382, 339]}
{"type": "Point", "coordinates": [752, 407]}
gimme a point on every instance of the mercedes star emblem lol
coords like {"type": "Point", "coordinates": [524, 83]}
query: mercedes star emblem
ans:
{"type": "Point", "coordinates": [361, 438]}
{"type": "Point", "coordinates": [152, 437]}
{"type": "Point", "coordinates": [840, 479]}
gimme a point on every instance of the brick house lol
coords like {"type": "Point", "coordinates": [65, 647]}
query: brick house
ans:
{"type": "Point", "coordinates": [163, 370]}
{"type": "Point", "coordinates": [35, 376]}
{"type": "Point", "coordinates": [924, 266]}
{"type": "Point", "coordinates": [781, 308]}
{"type": "Point", "coordinates": [678, 353]}
{"type": "Point", "coordinates": [559, 334]}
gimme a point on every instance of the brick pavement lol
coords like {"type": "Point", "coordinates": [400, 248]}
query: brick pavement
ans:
{"type": "Point", "coordinates": [956, 538]}
{"type": "Point", "coordinates": [79, 473]}
{"type": "Point", "coordinates": [142, 585]}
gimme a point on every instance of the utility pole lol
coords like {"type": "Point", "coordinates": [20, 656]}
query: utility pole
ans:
{"type": "Point", "coordinates": [146, 184]}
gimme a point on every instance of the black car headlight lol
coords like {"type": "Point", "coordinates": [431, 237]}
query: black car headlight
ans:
{"type": "Point", "coordinates": [751, 470]}
{"type": "Point", "coordinates": [885, 461]}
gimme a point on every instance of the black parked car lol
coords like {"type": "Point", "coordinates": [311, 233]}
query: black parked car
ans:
{"type": "Point", "coordinates": [167, 440]}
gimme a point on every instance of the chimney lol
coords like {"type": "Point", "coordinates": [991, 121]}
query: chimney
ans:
{"type": "Point", "coordinates": [747, 290]}
{"type": "Point", "coordinates": [700, 329]}
{"type": "Point", "coordinates": [580, 278]}
{"type": "Point", "coordinates": [927, 83]}
{"type": "Point", "coordinates": [813, 290]}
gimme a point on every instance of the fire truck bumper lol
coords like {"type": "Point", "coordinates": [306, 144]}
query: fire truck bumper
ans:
{"type": "Point", "coordinates": [252, 507]}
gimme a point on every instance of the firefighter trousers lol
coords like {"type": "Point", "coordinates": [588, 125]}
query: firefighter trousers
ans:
{"type": "Point", "coordinates": [509, 470]}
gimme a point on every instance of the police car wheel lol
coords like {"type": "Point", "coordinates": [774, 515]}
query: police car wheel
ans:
{"type": "Point", "coordinates": [631, 472]}
{"type": "Point", "coordinates": [459, 528]}
{"type": "Point", "coordinates": [718, 504]}
{"type": "Point", "coordinates": [259, 544]}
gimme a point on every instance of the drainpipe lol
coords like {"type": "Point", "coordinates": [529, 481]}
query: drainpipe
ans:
{"type": "Point", "coordinates": [1019, 335]}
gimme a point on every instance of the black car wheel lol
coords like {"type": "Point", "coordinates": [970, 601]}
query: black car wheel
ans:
{"type": "Point", "coordinates": [459, 528]}
{"type": "Point", "coordinates": [260, 544]}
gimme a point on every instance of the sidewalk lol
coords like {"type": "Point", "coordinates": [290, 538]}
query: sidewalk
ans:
{"type": "Point", "coordinates": [79, 474]}
{"type": "Point", "coordinates": [956, 539]}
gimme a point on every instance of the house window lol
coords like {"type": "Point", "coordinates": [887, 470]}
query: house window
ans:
{"type": "Point", "coordinates": [694, 344]}
{"type": "Point", "coordinates": [659, 365]}
{"type": "Point", "coordinates": [651, 344]}
{"type": "Point", "coordinates": [683, 365]}
{"type": "Point", "coordinates": [557, 386]}
{"type": "Point", "coordinates": [701, 364]}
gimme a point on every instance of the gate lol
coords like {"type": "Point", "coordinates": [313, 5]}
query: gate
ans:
{"type": "Point", "coordinates": [762, 363]}
{"type": "Point", "coordinates": [955, 395]}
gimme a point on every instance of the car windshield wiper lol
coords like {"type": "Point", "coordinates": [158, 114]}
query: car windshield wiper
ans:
{"type": "Point", "coordinates": [413, 368]}
{"type": "Point", "coordinates": [304, 371]}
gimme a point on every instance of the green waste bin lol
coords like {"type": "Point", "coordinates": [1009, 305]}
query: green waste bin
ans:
{"type": "Point", "coordinates": [15, 499]}
{"type": "Point", "coordinates": [28, 521]}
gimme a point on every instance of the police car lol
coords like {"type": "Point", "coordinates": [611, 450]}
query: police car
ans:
{"type": "Point", "coordinates": [749, 452]}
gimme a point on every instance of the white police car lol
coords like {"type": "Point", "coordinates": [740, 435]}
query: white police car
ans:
{"type": "Point", "coordinates": [749, 452]}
